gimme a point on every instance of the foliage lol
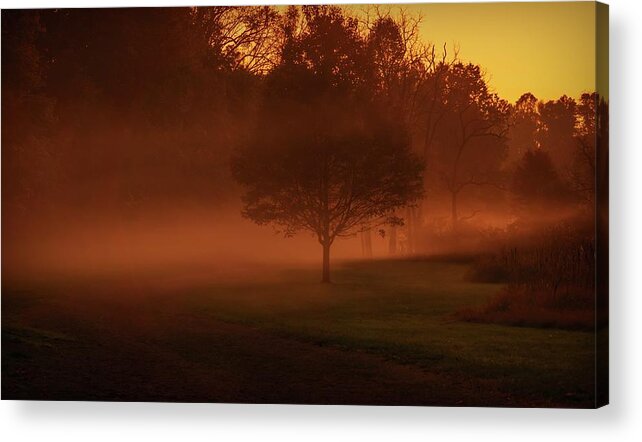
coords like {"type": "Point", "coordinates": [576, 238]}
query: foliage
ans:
{"type": "Point", "coordinates": [320, 159]}
{"type": "Point", "coordinates": [332, 183]}
{"type": "Point", "coordinates": [536, 183]}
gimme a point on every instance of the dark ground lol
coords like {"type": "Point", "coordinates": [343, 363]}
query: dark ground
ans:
{"type": "Point", "coordinates": [133, 342]}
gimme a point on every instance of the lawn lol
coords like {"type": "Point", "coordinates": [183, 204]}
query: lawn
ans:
{"type": "Point", "coordinates": [402, 310]}
{"type": "Point", "coordinates": [382, 333]}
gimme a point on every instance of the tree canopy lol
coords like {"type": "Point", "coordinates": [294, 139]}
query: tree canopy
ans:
{"type": "Point", "coordinates": [322, 160]}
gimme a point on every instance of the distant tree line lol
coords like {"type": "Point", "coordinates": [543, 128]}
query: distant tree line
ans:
{"type": "Point", "coordinates": [335, 122]}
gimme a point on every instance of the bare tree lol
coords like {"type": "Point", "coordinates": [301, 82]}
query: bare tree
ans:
{"type": "Point", "coordinates": [472, 136]}
{"type": "Point", "coordinates": [247, 36]}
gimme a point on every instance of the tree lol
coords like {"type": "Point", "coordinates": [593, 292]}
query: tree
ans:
{"type": "Point", "coordinates": [583, 172]}
{"type": "Point", "coordinates": [536, 184]}
{"type": "Point", "coordinates": [239, 36]}
{"type": "Point", "coordinates": [399, 62]}
{"type": "Point", "coordinates": [188, 81]}
{"type": "Point", "coordinates": [470, 144]}
{"type": "Point", "coordinates": [557, 126]}
{"type": "Point", "coordinates": [389, 81]}
{"type": "Point", "coordinates": [524, 124]}
{"type": "Point", "coordinates": [322, 158]}
{"type": "Point", "coordinates": [332, 184]}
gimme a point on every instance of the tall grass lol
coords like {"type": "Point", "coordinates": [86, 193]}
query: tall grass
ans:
{"type": "Point", "coordinates": [549, 276]}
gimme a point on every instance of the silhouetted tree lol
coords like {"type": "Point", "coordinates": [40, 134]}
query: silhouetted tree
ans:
{"type": "Point", "coordinates": [536, 183]}
{"type": "Point", "coordinates": [127, 106]}
{"type": "Point", "coordinates": [583, 171]}
{"type": "Point", "coordinates": [407, 83]}
{"type": "Point", "coordinates": [524, 124]}
{"type": "Point", "coordinates": [333, 182]}
{"type": "Point", "coordinates": [555, 134]}
{"type": "Point", "coordinates": [323, 159]}
{"type": "Point", "coordinates": [240, 37]}
{"type": "Point", "coordinates": [394, 79]}
{"type": "Point", "coordinates": [470, 144]}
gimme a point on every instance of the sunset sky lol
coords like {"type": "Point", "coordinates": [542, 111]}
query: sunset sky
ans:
{"type": "Point", "coordinates": [544, 48]}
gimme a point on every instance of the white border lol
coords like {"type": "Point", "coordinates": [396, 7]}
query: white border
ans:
{"type": "Point", "coordinates": [620, 421]}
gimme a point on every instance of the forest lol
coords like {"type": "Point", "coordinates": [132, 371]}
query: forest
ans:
{"type": "Point", "coordinates": [213, 146]}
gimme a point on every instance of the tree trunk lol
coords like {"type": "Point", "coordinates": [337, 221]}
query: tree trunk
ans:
{"type": "Point", "coordinates": [325, 276]}
{"type": "Point", "coordinates": [418, 227]}
{"type": "Point", "coordinates": [454, 215]}
{"type": "Point", "coordinates": [417, 224]}
{"type": "Point", "coordinates": [410, 227]}
{"type": "Point", "coordinates": [367, 235]}
{"type": "Point", "coordinates": [392, 243]}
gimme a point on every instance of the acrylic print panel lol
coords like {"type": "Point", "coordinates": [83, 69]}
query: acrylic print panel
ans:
{"type": "Point", "coordinates": [375, 205]}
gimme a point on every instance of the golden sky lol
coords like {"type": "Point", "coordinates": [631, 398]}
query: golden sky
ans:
{"type": "Point", "coordinates": [544, 48]}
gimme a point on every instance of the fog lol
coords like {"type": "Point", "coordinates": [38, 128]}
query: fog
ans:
{"type": "Point", "coordinates": [118, 161]}
{"type": "Point", "coordinates": [216, 244]}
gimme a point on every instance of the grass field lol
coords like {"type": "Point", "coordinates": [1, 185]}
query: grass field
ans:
{"type": "Point", "coordinates": [383, 332]}
{"type": "Point", "coordinates": [402, 310]}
